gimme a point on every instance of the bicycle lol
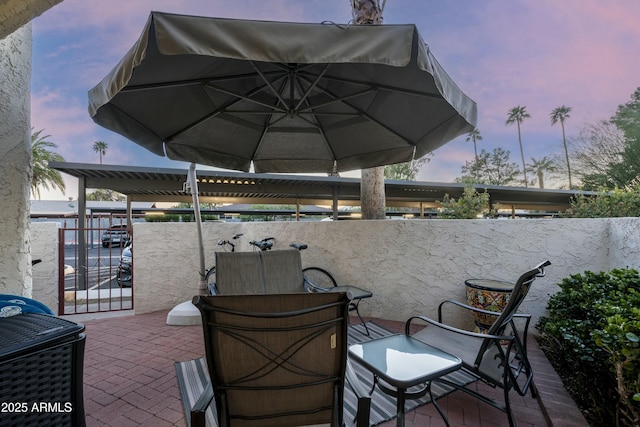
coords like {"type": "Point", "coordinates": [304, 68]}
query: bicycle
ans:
{"type": "Point", "coordinates": [316, 279]}
{"type": "Point", "coordinates": [210, 276]}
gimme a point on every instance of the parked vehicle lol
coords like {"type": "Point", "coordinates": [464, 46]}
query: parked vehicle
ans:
{"type": "Point", "coordinates": [116, 235]}
{"type": "Point", "coordinates": [125, 270]}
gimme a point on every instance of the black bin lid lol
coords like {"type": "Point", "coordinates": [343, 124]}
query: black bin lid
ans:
{"type": "Point", "coordinates": [29, 332]}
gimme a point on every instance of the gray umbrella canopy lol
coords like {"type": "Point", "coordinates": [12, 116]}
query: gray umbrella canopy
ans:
{"type": "Point", "coordinates": [288, 97]}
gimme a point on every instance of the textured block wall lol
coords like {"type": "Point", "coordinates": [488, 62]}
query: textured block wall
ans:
{"type": "Point", "coordinates": [410, 266]}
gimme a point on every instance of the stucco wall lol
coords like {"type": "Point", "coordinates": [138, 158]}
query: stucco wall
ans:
{"type": "Point", "coordinates": [15, 162]}
{"type": "Point", "coordinates": [410, 266]}
{"type": "Point", "coordinates": [44, 246]}
{"type": "Point", "coordinates": [15, 147]}
{"type": "Point", "coordinates": [625, 243]}
{"type": "Point", "coordinates": [16, 13]}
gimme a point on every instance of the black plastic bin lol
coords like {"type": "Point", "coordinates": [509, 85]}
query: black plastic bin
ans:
{"type": "Point", "coordinates": [41, 365]}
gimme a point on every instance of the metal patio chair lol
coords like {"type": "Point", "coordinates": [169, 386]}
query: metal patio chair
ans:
{"type": "Point", "coordinates": [271, 272]}
{"type": "Point", "coordinates": [276, 360]}
{"type": "Point", "coordinates": [499, 357]}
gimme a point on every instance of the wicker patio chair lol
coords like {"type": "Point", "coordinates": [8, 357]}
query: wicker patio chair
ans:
{"type": "Point", "coordinates": [498, 357]}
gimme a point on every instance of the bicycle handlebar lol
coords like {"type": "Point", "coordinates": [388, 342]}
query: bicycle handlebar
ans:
{"type": "Point", "coordinates": [264, 244]}
{"type": "Point", "coordinates": [228, 242]}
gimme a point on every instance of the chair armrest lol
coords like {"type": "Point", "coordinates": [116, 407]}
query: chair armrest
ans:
{"type": "Point", "coordinates": [466, 307]}
{"type": "Point", "coordinates": [407, 329]}
{"type": "Point", "coordinates": [198, 411]}
{"type": "Point", "coordinates": [362, 394]}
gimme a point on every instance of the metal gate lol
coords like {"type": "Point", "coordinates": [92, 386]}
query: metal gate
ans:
{"type": "Point", "coordinates": [92, 275]}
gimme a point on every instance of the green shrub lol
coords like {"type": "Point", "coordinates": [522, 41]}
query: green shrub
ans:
{"type": "Point", "coordinates": [591, 336]}
{"type": "Point", "coordinates": [607, 204]}
{"type": "Point", "coordinates": [469, 206]}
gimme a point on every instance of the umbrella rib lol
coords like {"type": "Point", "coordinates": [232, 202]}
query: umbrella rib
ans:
{"type": "Point", "coordinates": [247, 98]}
{"type": "Point", "coordinates": [269, 123]}
{"type": "Point", "coordinates": [361, 113]}
{"type": "Point", "coordinates": [379, 86]}
{"type": "Point", "coordinates": [207, 82]}
{"type": "Point", "coordinates": [268, 83]}
{"type": "Point", "coordinates": [340, 99]}
{"type": "Point", "coordinates": [222, 109]}
{"type": "Point", "coordinates": [204, 80]}
{"type": "Point", "coordinates": [137, 121]}
{"type": "Point", "coordinates": [304, 97]}
{"type": "Point", "coordinates": [315, 122]}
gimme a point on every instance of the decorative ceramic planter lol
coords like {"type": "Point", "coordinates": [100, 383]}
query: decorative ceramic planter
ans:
{"type": "Point", "coordinates": [487, 294]}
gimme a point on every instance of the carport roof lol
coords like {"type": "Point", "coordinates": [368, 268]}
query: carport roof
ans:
{"type": "Point", "coordinates": [216, 186]}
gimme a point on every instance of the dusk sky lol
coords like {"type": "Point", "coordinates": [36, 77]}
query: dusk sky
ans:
{"type": "Point", "coordinates": [502, 53]}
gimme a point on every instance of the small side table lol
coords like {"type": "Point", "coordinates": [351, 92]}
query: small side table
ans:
{"type": "Point", "coordinates": [358, 295]}
{"type": "Point", "coordinates": [403, 362]}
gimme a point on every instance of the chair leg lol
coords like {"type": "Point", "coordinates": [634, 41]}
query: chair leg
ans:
{"type": "Point", "coordinates": [534, 390]}
{"type": "Point", "coordinates": [354, 307]}
{"type": "Point", "coordinates": [435, 404]}
{"type": "Point", "coordinates": [198, 411]}
{"type": "Point", "coordinates": [507, 405]}
{"type": "Point", "coordinates": [197, 419]}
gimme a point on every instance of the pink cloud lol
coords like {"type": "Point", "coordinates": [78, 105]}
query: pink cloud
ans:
{"type": "Point", "coordinates": [52, 110]}
{"type": "Point", "coordinates": [572, 52]}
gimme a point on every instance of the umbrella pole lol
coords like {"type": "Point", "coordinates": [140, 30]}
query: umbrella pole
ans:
{"type": "Point", "coordinates": [186, 313]}
{"type": "Point", "coordinates": [193, 184]}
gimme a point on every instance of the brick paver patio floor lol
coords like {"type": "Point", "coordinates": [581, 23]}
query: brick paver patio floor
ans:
{"type": "Point", "coordinates": [130, 380]}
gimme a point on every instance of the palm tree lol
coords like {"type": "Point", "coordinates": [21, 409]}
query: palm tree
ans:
{"type": "Point", "coordinates": [539, 167]}
{"type": "Point", "coordinates": [100, 148]}
{"type": "Point", "coordinates": [372, 192]}
{"type": "Point", "coordinates": [367, 11]}
{"type": "Point", "coordinates": [517, 115]}
{"type": "Point", "coordinates": [42, 174]}
{"type": "Point", "coordinates": [560, 114]}
{"type": "Point", "coordinates": [474, 136]}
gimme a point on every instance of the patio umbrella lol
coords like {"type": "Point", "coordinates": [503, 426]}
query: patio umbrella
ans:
{"type": "Point", "coordinates": [287, 97]}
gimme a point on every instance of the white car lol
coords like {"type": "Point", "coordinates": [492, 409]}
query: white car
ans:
{"type": "Point", "coordinates": [116, 235]}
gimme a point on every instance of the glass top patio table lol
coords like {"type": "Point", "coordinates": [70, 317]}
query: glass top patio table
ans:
{"type": "Point", "coordinates": [402, 362]}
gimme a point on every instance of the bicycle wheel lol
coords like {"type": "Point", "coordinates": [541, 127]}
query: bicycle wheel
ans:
{"type": "Point", "coordinates": [316, 277]}
{"type": "Point", "coordinates": [210, 280]}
